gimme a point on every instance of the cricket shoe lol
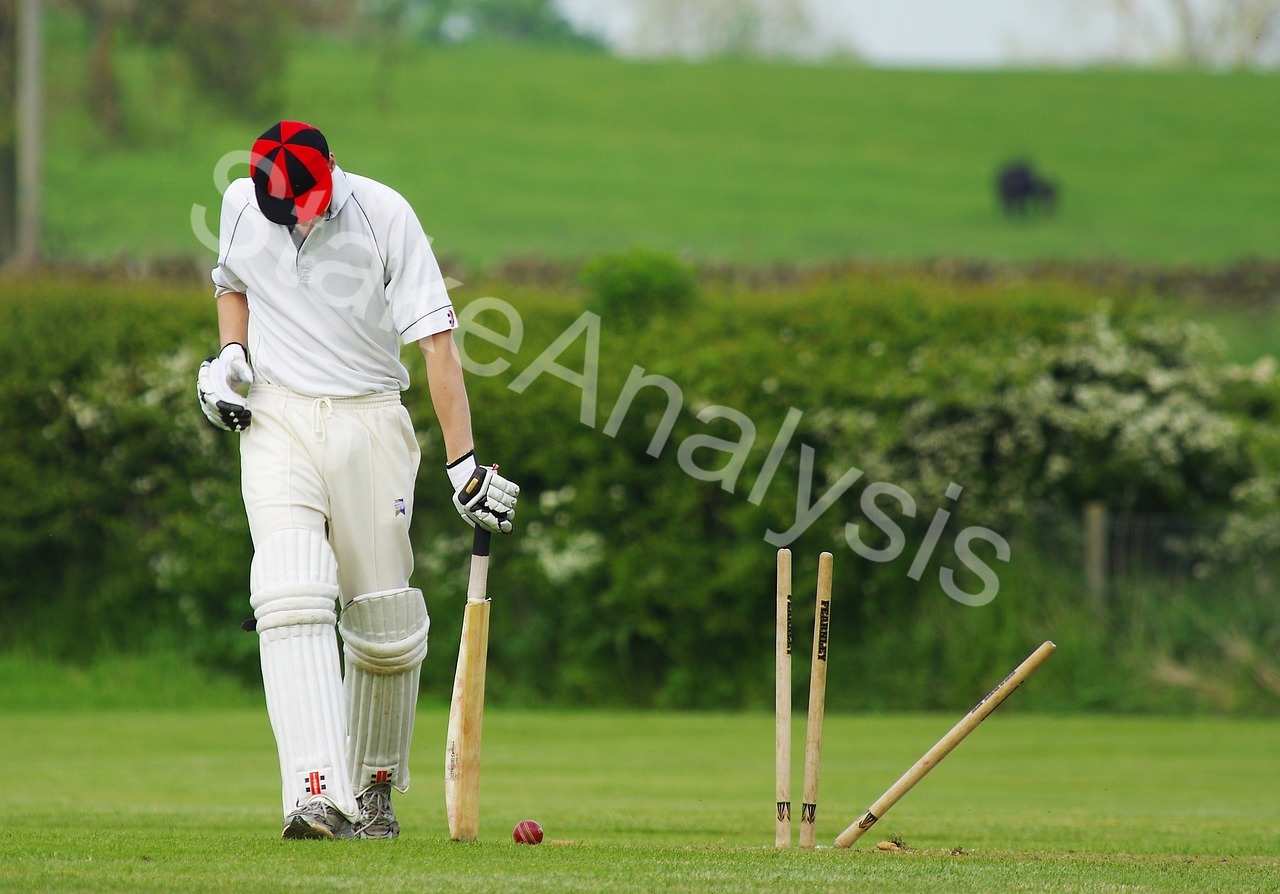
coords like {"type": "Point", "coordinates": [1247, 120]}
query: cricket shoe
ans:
{"type": "Point", "coordinates": [317, 818]}
{"type": "Point", "coordinates": [377, 819]}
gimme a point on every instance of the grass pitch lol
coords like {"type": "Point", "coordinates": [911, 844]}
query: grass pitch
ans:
{"type": "Point", "coordinates": [131, 801]}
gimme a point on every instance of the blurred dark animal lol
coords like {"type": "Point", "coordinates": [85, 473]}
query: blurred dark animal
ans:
{"type": "Point", "coordinates": [1022, 190]}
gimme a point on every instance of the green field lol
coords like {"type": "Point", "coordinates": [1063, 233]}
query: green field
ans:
{"type": "Point", "coordinates": [510, 152]}
{"type": "Point", "coordinates": [132, 801]}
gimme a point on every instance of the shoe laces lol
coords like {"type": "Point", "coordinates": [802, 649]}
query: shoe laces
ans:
{"type": "Point", "coordinates": [375, 804]}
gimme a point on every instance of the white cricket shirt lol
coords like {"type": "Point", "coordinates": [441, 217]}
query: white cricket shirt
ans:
{"type": "Point", "coordinates": [327, 317]}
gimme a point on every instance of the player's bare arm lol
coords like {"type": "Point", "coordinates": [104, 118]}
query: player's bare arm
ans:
{"type": "Point", "coordinates": [448, 394]}
{"type": "Point", "coordinates": [233, 318]}
{"type": "Point", "coordinates": [481, 496]}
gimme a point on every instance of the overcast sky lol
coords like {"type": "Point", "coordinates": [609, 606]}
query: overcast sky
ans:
{"type": "Point", "coordinates": [964, 33]}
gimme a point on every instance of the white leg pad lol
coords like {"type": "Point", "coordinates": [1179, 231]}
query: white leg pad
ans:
{"type": "Point", "coordinates": [384, 639]}
{"type": "Point", "coordinates": [294, 586]}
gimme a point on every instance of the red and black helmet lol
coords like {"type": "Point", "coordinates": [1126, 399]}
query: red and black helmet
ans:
{"type": "Point", "coordinates": [290, 168]}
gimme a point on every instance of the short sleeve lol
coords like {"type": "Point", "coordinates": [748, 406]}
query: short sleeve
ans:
{"type": "Point", "coordinates": [234, 205]}
{"type": "Point", "coordinates": [416, 292]}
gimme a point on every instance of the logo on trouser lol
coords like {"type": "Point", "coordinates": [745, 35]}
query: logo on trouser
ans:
{"type": "Point", "coordinates": [401, 507]}
{"type": "Point", "coordinates": [314, 784]}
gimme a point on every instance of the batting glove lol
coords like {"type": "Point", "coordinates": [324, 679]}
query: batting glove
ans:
{"type": "Point", "coordinates": [482, 496]}
{"type": "Point", "coordinates": [216, 386]}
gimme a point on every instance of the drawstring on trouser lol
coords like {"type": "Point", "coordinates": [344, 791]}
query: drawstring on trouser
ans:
{"type": "Point", "coordinates": [321, 410]}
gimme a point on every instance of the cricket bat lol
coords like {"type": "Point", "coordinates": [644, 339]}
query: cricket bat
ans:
{"type": "Point", "coordinates": [466, 712]}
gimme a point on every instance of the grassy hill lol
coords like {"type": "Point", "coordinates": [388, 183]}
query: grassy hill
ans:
{"type": "Point", "coordinates": [515, 151]}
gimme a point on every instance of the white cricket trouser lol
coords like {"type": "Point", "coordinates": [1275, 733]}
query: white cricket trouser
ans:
{"type": "Point", "coordinates": [349, 462]}
{"type": "Point", "coordinates": [328, 489]}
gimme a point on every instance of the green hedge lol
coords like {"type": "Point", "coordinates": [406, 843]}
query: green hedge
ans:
{"type": "Point", "coordinates": [628, 582]}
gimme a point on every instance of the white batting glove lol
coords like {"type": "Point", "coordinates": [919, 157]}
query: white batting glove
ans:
{"type": "Point", "coordinates": [216, 385]}
{"type": "Point", "coordinates": [482, 496]}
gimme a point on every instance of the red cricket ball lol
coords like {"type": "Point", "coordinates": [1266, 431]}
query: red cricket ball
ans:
{"type": "Point", "coordinates": [527, 832]}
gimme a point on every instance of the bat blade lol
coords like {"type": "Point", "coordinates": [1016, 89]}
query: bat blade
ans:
{"type": "Point", "coordinates": [466, 710]}
{"type": "Point", "coordinates": [466, 722]}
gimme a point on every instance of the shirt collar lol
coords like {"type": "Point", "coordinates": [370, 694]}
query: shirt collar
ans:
{"type": "Point", "coordinates": [341, 192]}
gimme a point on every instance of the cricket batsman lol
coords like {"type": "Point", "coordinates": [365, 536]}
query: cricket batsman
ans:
{"type": "Point", "coordinates": [321, 277]}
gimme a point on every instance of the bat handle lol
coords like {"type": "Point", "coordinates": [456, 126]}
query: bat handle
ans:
{"type": "Point", "coordinates": [478, 583]}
